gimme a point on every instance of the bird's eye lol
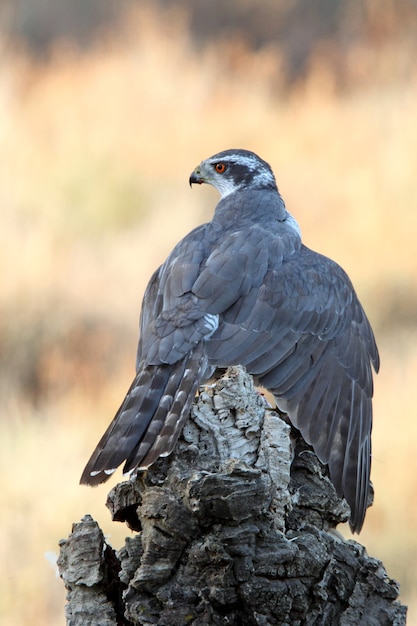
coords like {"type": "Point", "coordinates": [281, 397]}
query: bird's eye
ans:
{"type": "Point", "coordinates": [220, 168]}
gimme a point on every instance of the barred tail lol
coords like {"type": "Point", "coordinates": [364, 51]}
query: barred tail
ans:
{"type": "Point", "coordinates": [150, 419]}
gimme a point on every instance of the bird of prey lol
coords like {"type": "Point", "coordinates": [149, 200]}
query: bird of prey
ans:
{"type": "Point", "coordinates": [244, 290]}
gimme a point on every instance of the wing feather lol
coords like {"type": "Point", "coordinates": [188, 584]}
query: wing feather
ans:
{"type": "Point", "coordinates": [307, 340]}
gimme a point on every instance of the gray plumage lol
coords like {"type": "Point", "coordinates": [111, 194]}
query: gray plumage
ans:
{"type": "Point", "coordinates": [243, 289]}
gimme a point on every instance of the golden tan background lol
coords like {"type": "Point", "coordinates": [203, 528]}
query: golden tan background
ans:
{"type": "Point", "coordinates": [98, 135]}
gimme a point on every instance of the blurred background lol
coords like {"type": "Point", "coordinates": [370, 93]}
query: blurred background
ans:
{"type": "Point", "coordinates": [105, 109]}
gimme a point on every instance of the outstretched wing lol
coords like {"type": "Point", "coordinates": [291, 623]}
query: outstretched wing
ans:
{"type": "Point", "coordinates": [304, 335]}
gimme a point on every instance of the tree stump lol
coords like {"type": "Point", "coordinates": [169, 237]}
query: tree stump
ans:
{"type": "Point", "coordinates": [236, 527]}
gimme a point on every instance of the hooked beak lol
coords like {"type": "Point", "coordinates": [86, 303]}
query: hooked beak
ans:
{"type": "Point", "coordinates": [196, 177]}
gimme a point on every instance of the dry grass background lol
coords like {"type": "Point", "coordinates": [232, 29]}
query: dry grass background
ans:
{"type": "Point", "coordinates": [96, 149]}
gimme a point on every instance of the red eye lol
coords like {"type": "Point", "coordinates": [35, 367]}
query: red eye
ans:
{"type": "Point", "coordinates": [220, 168]}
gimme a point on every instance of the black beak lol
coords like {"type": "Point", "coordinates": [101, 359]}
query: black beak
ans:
{"type": "Point", "coordinates": [196, 178]}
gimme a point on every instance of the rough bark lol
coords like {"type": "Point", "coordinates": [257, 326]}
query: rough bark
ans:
{"type": "Point", "coordinates": [235, 527]}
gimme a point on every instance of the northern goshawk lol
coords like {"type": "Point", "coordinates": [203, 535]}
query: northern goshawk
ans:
{"type": "Point", "coordinates": [244, 290]}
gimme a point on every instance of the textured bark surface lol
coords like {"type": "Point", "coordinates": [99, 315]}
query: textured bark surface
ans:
{"type": "Point", "coordinates": [235, 527]}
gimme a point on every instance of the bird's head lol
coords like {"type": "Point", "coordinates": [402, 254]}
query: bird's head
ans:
{"type": "Point", "coordinates": [232, 170]}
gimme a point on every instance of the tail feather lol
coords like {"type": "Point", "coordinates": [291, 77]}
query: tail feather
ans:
{"type": "Point", "coordinates": [173, 423]}
{"type": "Point", "coordinates": [149, 421]}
